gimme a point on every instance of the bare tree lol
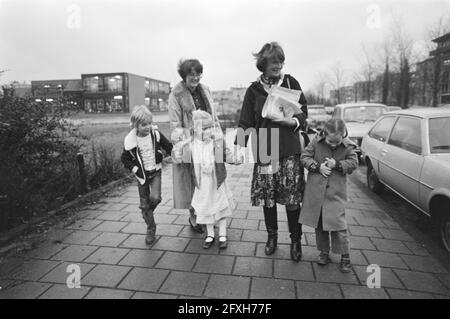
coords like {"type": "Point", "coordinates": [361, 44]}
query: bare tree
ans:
{"type": "Point", "coordinates": [320, 87]}
{"type": "Point", "coordinates": [368, 70]}
{"type": "Point", "coordinates": [337, 79]}
{"type": "Point", "coordinates": [432, 78]}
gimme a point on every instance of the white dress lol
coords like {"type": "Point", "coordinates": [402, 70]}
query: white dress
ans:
{"type": "Point", "coordinates": [210, 204]}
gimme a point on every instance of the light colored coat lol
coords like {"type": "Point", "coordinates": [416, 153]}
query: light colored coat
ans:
{"type": "Point", "coordinates": [327, 195]}
{"type": "Point", "coordinates": [181, 105]}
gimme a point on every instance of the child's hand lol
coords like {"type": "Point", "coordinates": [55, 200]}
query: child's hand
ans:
{"type": "Point", "coordinates": [325, 170]}
{"type": "Point", "coordinates": [331, 162]}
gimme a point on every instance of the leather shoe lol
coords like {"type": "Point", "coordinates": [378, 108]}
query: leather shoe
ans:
{"type": "Point", "coordinates": [197, 228]}
{"type": "Point", "coordinates": [271, 244]}
{"type": "Point", "coordinates": [223, 243]}
{"type": "Point", "coordinates": [208, 244]}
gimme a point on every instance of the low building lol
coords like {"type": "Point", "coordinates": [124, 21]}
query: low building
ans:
{"type": "Point", "coordinates": [105, 92]}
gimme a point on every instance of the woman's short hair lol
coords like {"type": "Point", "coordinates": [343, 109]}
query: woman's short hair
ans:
{"type": "Point", "coordinates": [268, 51]}
{"type": "Point", "coordinates": [140, 114]}
{"type": "Point", "coordinates": [186, 67]}
{"type": "Point", "coordinates": [334, 126]}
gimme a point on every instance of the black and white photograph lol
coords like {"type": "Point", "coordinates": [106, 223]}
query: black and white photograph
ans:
{"type": "Point", "coordinates": [225, 157]}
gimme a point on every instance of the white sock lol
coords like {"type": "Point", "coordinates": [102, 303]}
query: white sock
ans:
{"type": "Point", "coordinates": [210, 232]}
{"type": "Point", "coordinates": [223, 227]}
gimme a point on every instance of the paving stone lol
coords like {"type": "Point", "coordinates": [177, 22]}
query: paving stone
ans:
{"type": "Point", "coordinates": [64, 292]}
{"type": "Point", "coordinates": [104, 293]}
{"type": "Point", "coordinates": [406, 294]}
{"type": "Point", "coordinates": [253, 266]}
{"type": "Point", "coordinates": [45, 251]}
{"type": "Point", "coordinates": [177, 261]}
{"type": "Point", "coordinates": [90, 213]}
{"type": "Point", "coordinates": [388, 279]}
{"type": "Point", "coordinates": [373, 222]}
{"type": "Point", "coordinates": [26, 290]}
{"type": "Point", "coordinates": [395, 234]}
{"type": "Point", "coordinates": [171, 243]}
{"type": "Point", "coordinates": [364, 231]}
{"type": "Point", "coordinates": [110, 226]}
{"type": "Point", "coordinates": [133, 217]}
{"type": "Point", "coordinates": [310, 239]}
{"type": "Point", "coordinates": [357, 242]}
{"type": "Point", "coordinates": [134, 208]}
{"type": "Point", "coordinates": [445, 279]}
{"type": "Point", "coordinates": [189, 233]}
{"type": "Point", "coordinates": [255, 215]}
{"type": "Point", "coordinates": [383, 259]}
{"type": "Point", "coordinates": [163, 209]}
{"type": "Point", "coordinates": [33, 269]}
{"type": "Point", "coordinates": [130, 200]}
{"type": "Point", "coordinates": [254, 236]}
{"type": "Point", "coordinates": [141, 258]}
{"type": "Point", "coordinates": [60, 274]}
{"type": "Point", "coordinates": [168, 230]}
{"type": "Point", "coordinates": [9, 265]}
{"type": "Point", "coordinates": [105, 276]}
{"type": "Point", "coordinates": [135, 241]}
{"type": "Point", "coordinates": [164, 219]}
{"type": "Point", "coordinates": [420, 281]}
{"type": "Point", "coordinates": [81, 237]}
{"type": "Point", "coordinates": [232, 234]}
{"type": "Point", "coordinates": [142, 279]}
{"type": "Point", "coordinates": [417, 248]}
{"type": "Point", "coordinates": [331, 273]}
{"type": "Point", "coordinates": [181, 220]}
{"type": "Point", "coordinates": [196, 246]}
{"type": "Point", "coordinates": [266, 288]}
{"type": "Point", "coordinates": [233, 287]}
{"type": "Point", "coordinates": [75, 253]}
{"type": "Point", "coordinates": [214, 264]}
{"type": "Point", "coordinates": [185, 283]}
{"type": "Point", "coordinates": [112, 215]}
{"type": "Point", "coordinates": [363, 292]}
{"type": "Point", "coordinates": [84, 224]}
{"type": "Point", "coordinates": [135, 228]}
{"type": "Point", "coordinates": [244, 224]}
{"type": "Point", "coordinates": [148, 295]}
{"type": "Point", "coordinates": [426, 264]}
{"type": "Point", "coordinates": [317, 290]}
{"type": "Point", "coordinates": [288, 269]}
{"type": "Point", "coordinates": [107, 255]}
{"type": "Point", "coordinates": [109, 239]}
{"type": "Point", "coordinates": [237, 248]}
{"type": "Point", "coordinates": [389, 245]}
{"type": "Point", "coordinates": [113, 206]}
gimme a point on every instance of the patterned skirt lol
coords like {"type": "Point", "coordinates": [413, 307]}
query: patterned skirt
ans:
{"type": "Point", "coordinates": [285, 186]}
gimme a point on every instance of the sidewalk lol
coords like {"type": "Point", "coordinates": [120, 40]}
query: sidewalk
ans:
{"type": "Point", "coordinates": [107, 242]}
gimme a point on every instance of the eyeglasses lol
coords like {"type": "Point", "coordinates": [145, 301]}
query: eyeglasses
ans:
{"type": "Point", "coordinates": [199, 76]}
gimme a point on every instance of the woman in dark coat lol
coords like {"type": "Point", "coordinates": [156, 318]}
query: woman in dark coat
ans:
{"type": "Point", "coordinates": [281, 181]}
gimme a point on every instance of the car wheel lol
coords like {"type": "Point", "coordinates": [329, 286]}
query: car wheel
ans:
{"type": "Point", "coordinates": [372, 180]}
{"type": "Point", "coordinates": [444, 226]}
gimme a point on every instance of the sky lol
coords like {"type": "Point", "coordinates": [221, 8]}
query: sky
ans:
{"type": "Point", "coordinates": [61, 39]}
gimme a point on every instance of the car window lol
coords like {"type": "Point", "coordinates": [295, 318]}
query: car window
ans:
{"type": "Point", "coordinates": [439, 135]}
{"type": "Point", "coordinates": [381, 130]}
{"type": "Point", "coordinates": [362, 113]}
{"type": "Point", "coordinates": [406, 135]}
{"type": "Point", "coordinates": [336, 113]}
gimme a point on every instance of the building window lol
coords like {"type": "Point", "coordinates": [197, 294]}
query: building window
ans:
{"type": "Point", "coordinates": [147, 101]}
{"type": "Point", "coordinates": [114, 83]}
{"type": "Point", "coordinates": [93, 84]}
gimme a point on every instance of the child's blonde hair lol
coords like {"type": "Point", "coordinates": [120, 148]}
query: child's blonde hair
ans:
{"type": "Point", "coordinates": [334, 126]}
{"type": "Point", "coordinates": [140, 114]}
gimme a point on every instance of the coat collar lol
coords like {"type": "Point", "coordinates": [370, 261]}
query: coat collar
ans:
{"type": "Point", "coordinates": [184, 97]}
{"type": "Point", "coordinates": [345, 141]}
{"type": "Point", "coordinates": [130, 141]}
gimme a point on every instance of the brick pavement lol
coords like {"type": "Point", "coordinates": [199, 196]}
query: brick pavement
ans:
{"type": "Point", "coordinates": [107, 242]}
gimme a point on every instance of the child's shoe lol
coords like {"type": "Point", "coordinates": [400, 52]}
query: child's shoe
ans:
{"type": "Point", "coordinates": [209, 240]}
{"type": "Point", "coordinates": [323, 259]}
{"type": "Point", "coordinates": [223, 242]}
{"type": "Point", "coordinates": [346, 265]}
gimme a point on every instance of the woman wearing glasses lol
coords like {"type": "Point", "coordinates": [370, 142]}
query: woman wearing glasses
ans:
{"type": "Point", "coordinates": [187, 96]}
{"type": "Point", "coordinates": [281, 182]}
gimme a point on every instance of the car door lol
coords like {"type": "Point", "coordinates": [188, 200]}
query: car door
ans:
{"type": "Point", "coordinates": [401, 158]}
{"type": "Point", "coordinates": [375, 140]}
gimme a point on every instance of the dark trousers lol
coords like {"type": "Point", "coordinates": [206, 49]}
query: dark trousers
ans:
{"type": "Point", "coordinates": [271, 221]}
{"type": "Point", "coordinates": [150, 197]}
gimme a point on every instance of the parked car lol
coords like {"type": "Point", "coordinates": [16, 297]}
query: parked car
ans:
{"type": "Point", "coordinates": [409, 152]}
{"type": "Point", "coordinates": [317, 116]}
{"type": "Point", "coordinates": [359, 118]}
{"type": "Point", "coordinates": [394, 108]}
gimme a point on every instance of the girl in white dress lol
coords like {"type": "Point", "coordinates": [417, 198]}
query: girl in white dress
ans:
{"type": "Point", "coordinates": [212, 199]}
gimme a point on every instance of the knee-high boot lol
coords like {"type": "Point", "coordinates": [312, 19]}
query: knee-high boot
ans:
{"type": "Point", "coordinates": [270, 218]}
{"type": "Point", "coordinates": [295, 228]}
